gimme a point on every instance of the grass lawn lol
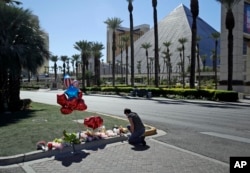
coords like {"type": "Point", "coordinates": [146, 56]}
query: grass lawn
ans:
{"type": "Point", "coordinates": [21, 131]}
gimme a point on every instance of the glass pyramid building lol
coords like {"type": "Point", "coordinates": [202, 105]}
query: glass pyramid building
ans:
{"type": "Point", "coordinates": [174, 26]}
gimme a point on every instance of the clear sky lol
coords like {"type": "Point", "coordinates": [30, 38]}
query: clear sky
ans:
{"type": "Point", "coordinates": [70, 21]}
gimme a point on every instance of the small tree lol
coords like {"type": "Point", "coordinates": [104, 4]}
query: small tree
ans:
{"type": "Point", "coordinates": [113, 24]}
{"type": "Point", "coordinates": [182, 42]}
{"type": "Point", "coordinates": [146, 46]}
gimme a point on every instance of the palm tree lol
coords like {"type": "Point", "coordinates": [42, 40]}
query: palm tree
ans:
{"type": "Point", "coordinates": [72, 64]}
{"type": "Point", "coordinates": [11, 2]}
{"type": "Point", "coordinates": [139, 66]}
{"type": "Point", "coordinates": [164, 57]}
{"type": "Point", "coordinates": [181, 64]}
{"type": "Point", "coordinates": [230, 22]}
{"type": "Point", "coordinates": [113, 24]}
{"type": "Point", "coordinates": [204, 58]}
{"type": "Point", "coordinates": [198, 38]}
{"type": "Point", "coordinates": [85, 48]}
{"type": "Point", "coordinates": [151, 64]}
{"type": "Point", "coordinates": [54, 58]}
{"type": "Point", "coordinates": [75, 59]}
{"type": "Point", "coordinates": [60, 68]}
{"type": "Point", "coordinates": [194, 5]}
{"type": "Point", "coordinates": [121, 50]}
{"type": "Point", "coordinates": [154, 4]}
{"type": "Point", "coordinates": [125, 40]}
{"type": "Point", "coordinates": [64, 60]}
{"type": "Point", "coordinates": [146, 46]}
{"type": "Point", "coordinates": [96, 50]}
{"type": "Point", "coordinates": [130, 9]}
{"type": "Point", "coordinates": [215, 36]}
{"type": "Point", "coordinates": [167, 44]}
{"type": "Point", "coordinates": [22, 48]}
{"type": "Point", "coordinates": [182, 42]}
{"type": "Point", "coordinates": [67, 62]}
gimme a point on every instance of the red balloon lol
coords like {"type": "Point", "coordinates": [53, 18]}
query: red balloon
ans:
{"type": "Point", "coordinates": [81, 106]}
{"type": "Point", "coordinates": [61, 99]}
{"type": "Point", "coordinates": [65, 110]}
{"type": "Point", "coordinates": [72, 103]}
{"type": "Point", "coordinates": [93, 122]}
{"type": "Point", "coordinates": [80, 94]}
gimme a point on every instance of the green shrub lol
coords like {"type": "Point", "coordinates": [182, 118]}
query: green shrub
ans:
{"type": "Point", "coordinates": [209, 94]}
{"type": "Point", "coordinates": [229, 96]}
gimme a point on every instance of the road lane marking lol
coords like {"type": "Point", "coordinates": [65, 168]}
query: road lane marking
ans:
{"type": "Point", "coordinates": [235, 138]}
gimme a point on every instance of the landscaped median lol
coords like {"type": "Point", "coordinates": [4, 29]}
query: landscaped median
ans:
{"type": "Point", "coordinates": [39, 154]}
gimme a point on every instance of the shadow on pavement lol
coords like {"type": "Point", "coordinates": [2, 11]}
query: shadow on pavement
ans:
{"type": "Point", "coordinates": [72, 158]}
{"type": "Point", "coordinates": [204, 104]}
{"type": "Point", "coordinates": [75, 157]}
{"type": "Point", "coordinates": [140, 148]}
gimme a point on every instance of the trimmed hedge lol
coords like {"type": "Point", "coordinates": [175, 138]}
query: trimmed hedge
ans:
{"type": "Point", "coordinates": [208, 94]}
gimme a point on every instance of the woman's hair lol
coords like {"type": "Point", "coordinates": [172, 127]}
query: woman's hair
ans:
{"type": "Point", "coordinates": [127, 111]}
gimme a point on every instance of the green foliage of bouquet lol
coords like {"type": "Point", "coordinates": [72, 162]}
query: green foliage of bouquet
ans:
{"type": "Point", "coordinates": [71, 138]}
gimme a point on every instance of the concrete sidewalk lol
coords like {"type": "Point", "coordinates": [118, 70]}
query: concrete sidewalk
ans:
{"type": "Point", "coordinates": [156, 157]}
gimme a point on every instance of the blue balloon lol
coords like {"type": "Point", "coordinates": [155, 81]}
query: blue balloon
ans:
{"type": "Point", "coordinates": [72, 92]}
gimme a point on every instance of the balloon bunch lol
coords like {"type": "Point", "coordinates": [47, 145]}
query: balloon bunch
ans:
{"type": "Point", "coordinates": [72, 97]}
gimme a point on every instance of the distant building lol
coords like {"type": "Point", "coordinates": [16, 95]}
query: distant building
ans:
{"type": "Point", "coordinates": [241, 48]}
{"type": "Point", "coordinates": [121, 31]}
{"type": "Point", "coordinates": [174, 26]}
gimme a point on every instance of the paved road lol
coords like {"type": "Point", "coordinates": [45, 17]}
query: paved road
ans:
{"type": "Point", "coordinates": [194, 130]}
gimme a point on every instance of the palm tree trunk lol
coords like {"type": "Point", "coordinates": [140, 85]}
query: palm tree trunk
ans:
{"type": "Point", "coordinates": [192, 68]}
{"type": "Point", "coordinates": [14, 92]}
{"type": "Point", "coordinates": [3, 89]}
{"type": "Point", "coordinates": [183, 67]}
{"type": "Point", "coordinates": [113, 59]}
{"type": "Point", "coordinates": [147, 68]}
{"type": "Point", "coordinates": [76, 70]}
{"type": "Point", "coordinates": [230, 25]}
{"type": "Point", "coordinates": [198, 63]}
{"type": "Point", "coordinates": [126, 64]}
{"type": "Point", "coordinates": [64, 70]}
{"type": "Point", "coordinates": [154, 2]}
{"type": "Point", "coordinates": [215, 64]}
{"type": "Point", "coordinates": [55, 71]}
{"type": "Point", "coordinates": [132, 47]}
{"type": "Point", "coordinates": [121, 66]}
{"type": "Point", "coordinates": [96, 69]}
{"type": "Point", "coordinates": [194, 4]}
{"type": "Point", "coordinates": [87, 69]}
{"type": "Point", "coordinates": [169, 74]}
{"type": "Point", "coordinates": [83, 72]}
{"type": "Point", "coordinates": [230, 60]}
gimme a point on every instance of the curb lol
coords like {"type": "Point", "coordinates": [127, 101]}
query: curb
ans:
{"type": "Point", "coordinates": [151, 131]}
{"type": "Point", "coordinates": [34, 155]}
